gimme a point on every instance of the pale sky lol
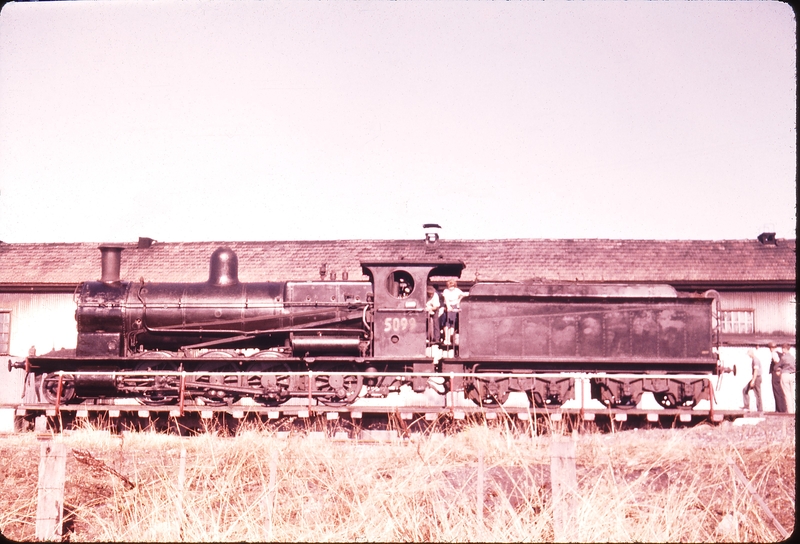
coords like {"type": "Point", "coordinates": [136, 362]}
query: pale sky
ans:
{"type": "Point", "coordinates": [228, 121]}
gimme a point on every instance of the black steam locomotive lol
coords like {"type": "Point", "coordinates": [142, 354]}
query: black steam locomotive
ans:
{"type": "Point", "coordinates": [217, 342]}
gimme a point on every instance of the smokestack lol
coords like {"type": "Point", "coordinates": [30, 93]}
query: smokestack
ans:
{"type": "Point", "coordinates": [110, 258]}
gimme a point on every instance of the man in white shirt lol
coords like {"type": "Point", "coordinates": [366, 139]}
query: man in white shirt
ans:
{"type": "Point", "coordinates": [754, 384]}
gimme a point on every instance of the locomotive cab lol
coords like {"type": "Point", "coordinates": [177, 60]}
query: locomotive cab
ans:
{"type": "Point", "coordinates": [400, 321]}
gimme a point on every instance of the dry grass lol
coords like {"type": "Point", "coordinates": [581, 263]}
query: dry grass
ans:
{"type": "Point", "coordinates": [646, 485]}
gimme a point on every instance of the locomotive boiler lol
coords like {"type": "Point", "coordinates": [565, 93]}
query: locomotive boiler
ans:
{"type": "Point", "coordinates": [221, 341]}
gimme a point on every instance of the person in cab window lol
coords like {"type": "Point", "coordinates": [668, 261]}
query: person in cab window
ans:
{"type": "Point", "coordinates": [452, 304]}
{"type": "Point", "coordinates": [403, 288]}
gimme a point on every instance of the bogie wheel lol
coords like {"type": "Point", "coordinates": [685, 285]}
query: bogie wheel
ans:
{"type": "Point", "coordinates": [536, 400]}
{"type": "Point", "coordinates": [666, 399]}
{"type": "Point", "coordinates": [545, 402]}
{"type": "Point", "coordinates": [341, 390]}
{"type": "Point", "coordinates": [628, 403]}
{"type": "Point", "coordinates": [164, 388]}
{"type": "Point", "coordinates": [488, 392]}
{"type": "Point", "coordinates": [49, 388]}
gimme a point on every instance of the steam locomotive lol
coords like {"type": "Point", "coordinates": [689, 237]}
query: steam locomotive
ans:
{"type": "Point", "coordinates": [216, 342]}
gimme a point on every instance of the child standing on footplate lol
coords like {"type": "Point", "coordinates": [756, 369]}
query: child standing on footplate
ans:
{"type": "Point", "coordinates": [452, 303]}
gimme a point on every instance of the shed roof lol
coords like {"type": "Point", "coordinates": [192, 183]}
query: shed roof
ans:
{"type": "Point", "coordinates": [678, 262]}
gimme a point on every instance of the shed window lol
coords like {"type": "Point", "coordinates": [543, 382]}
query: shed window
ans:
{"type": "Point", "coordinates": [5, 331]}
{"type": "Point", "coordinates": [737, 322]}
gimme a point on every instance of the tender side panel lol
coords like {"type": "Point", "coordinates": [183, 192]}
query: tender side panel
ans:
{"type": "Point", "coordinates": [585, 328]}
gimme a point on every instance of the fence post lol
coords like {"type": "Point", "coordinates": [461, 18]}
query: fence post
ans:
{"type": "Point", "coordinates": [564, 484]}
{"type": "Point", "coordinates": [480, 486]}
{"type": "Point", "coordinates": [50, 500]}
{"type": "Point", "coordinates": [269, 497]}
{"type": "Point", "coordinates": [179, 497]}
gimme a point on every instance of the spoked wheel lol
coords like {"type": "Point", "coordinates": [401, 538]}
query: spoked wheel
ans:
{"type": "Point", "coordinates": [160, 390]}
{"type": "Point", "coordinates": [212, 396]}
{"type": "Point", "coordinates": [488, 391]}
{"type": "Point", "coordinates": [49, 388]}
{"type": "Point", "coordinates": [269, 390]}
{"type": "Point", "coordinates": [340, 390]}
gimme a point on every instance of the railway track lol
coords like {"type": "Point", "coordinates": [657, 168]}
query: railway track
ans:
{"type": "Point", "coordinates": [404, 407]}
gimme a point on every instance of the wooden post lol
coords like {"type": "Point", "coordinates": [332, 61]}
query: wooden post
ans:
{"type": "Point", "coordinates": [711, 400]}
{"type": "Point", "coordinates": [40, 427]}
{"type": "Point", "coordinates": [564, 484]}
{"type": "Point", "coordinates": [182, 393]}
{"type": "Point", "coordinates": [310, 384]}
{"type": "Point", "coordinates": [50, 500]}
{"type": "Point", "coordinates": [269, 496]}
{"type": "Point", "coordinates": [479, 492]}
{"type": "Point", "coordinates": [179, 497]}
{"type": "Point", "coordinates": [58, 393]}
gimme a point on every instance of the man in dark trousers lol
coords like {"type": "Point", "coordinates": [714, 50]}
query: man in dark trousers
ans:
{"type": "Point", "coordinates": [788, 369]}
{"type": "Point", "coordinates": [775, 370]}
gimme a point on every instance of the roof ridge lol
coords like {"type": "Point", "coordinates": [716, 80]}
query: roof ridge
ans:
{"type": "Point", "coordinates": [382, 240]}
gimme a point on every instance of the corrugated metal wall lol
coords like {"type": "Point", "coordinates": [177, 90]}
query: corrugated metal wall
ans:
{"type": "Point", "coordinates": [772, 312]}
{"type": "Point", "coordinates": [46, 321]}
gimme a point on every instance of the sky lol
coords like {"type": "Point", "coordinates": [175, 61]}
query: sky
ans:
{"type": "Point", "coordinates": [239, 121]}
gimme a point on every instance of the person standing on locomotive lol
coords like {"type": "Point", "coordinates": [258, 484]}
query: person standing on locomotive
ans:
{"type": "Point", "coordinates": [433, 306]}
{"type": "Point", "coordinates": [452, 302]}
{"type": "Point", "coordinates": [754, 384]}
{"type": "Point", "coordinates": [775, 370]}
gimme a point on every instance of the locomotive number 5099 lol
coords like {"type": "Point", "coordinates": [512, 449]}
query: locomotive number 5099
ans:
{"type": "Point", "coordinates": [398, 324]}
